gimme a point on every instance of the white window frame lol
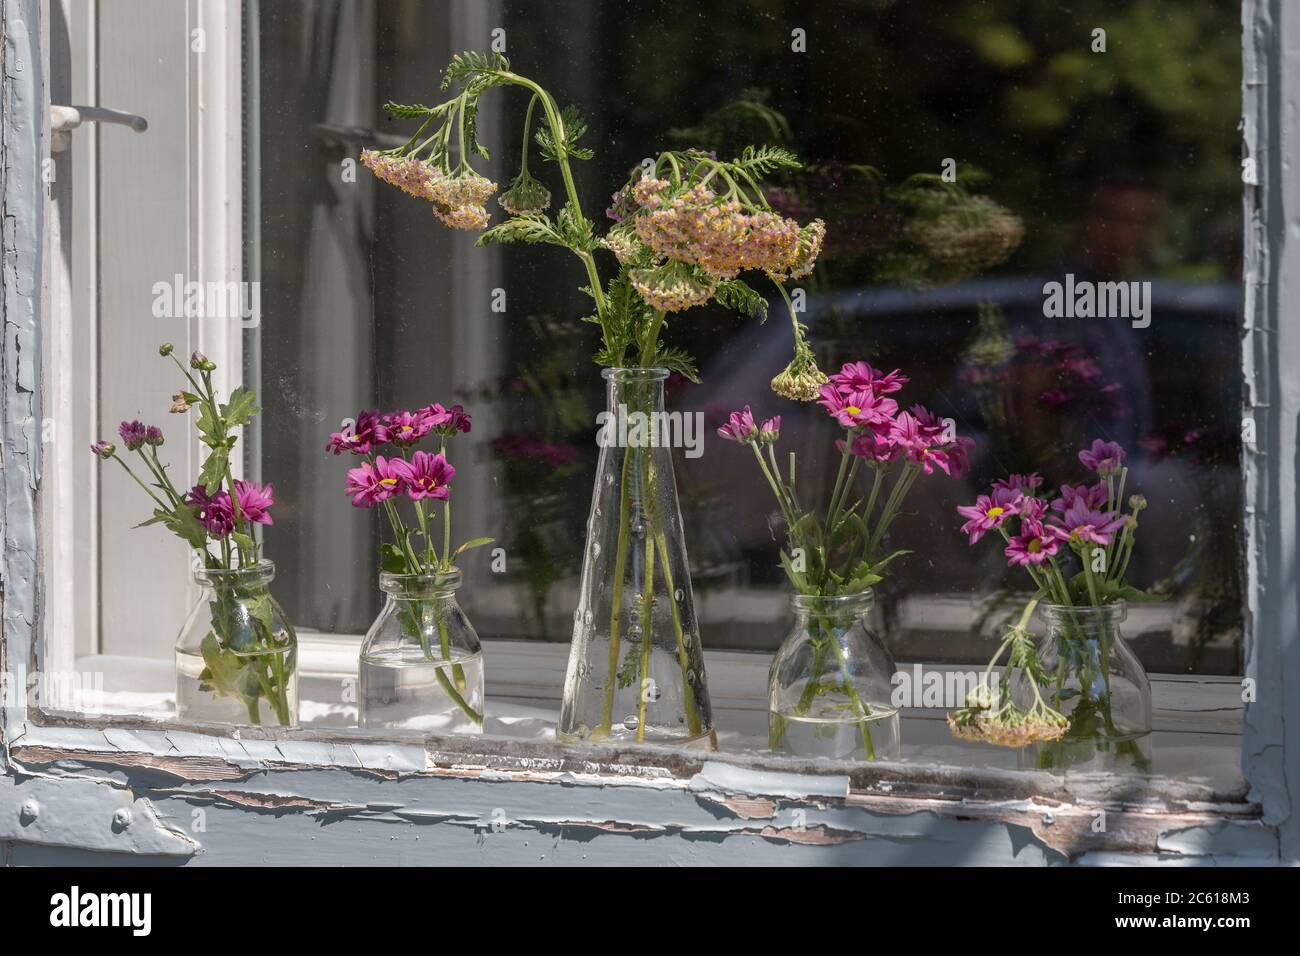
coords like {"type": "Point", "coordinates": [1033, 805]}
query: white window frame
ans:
{"type": "Point", "coordinates": [122, 787]}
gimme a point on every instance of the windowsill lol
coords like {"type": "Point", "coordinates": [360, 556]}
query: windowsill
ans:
{"type": "Point", "coordinates": [1195, 744]}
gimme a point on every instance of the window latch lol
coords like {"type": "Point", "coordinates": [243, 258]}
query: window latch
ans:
{"type": "Point", "coordinates": [64, 119]}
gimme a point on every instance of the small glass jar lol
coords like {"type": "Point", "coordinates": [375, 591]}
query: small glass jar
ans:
{"type": "Point", "coordinates": [237, 655]}
{"type": "Point", "coordinates": [421, 667]}
{"type": "Point", "coordinates": [830, 686]}
{"type": "Point", "coordinates": [1096, 681]}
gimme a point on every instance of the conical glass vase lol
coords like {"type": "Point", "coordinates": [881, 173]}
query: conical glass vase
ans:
{"type": "Point", "coordinates": [636, 667]}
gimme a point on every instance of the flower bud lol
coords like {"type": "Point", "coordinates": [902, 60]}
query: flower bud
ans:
{"type": "Point", "coordinates": [103, 449]}
{"type": "Point", "coordinates": [165, 349]}
{"type": "Point", "coordinates": [1137, 503]}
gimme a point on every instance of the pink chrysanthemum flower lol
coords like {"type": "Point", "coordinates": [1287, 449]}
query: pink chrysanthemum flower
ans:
{"type": "Point", "coordinates": [361, 438]}
{"type": "Point", "coordinates": [740, 427]}
{"type": "Point", "coordinates": [370, 484]}
{"type": "Point", "coordinates": [1106, 458]}
{"type": "Point", "coordinates": [1082, 524]}
{"type": "Point", "coordinates": [989, 512]}
{"type": "Point", "coordinates": [429, 476]}
{"type": "Point", "coordinates": [1092, 496]}
{"type": "Point", "coordinates": [406, 428]}
{"type": "Point", "coordinates": [861, 377]}
{"type": "Point", "coordinates": [1033, 545]}
{"type": "Point", "coordinates": [857, 409]}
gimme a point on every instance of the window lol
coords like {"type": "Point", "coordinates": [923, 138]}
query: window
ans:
{"type": "Point", "coordinates": [1088, 145]}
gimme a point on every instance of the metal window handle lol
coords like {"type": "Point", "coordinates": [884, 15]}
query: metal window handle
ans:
{"type": "Point", "coordinates": [64, 119]}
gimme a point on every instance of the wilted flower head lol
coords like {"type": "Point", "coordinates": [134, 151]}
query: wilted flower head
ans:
{"type": "Point", "coordinates": [180, 404]}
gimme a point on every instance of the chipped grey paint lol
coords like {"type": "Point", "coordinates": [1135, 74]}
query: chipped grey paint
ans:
{"type": "Point", "coordinates": [1270, 359]}
{"type": "Point", "coordinates": [132, 792]}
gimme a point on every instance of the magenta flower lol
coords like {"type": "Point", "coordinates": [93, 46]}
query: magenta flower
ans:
{"type": "Point", "coordinates": [740, 427]}
{"type": "Point", "coordinates": [1092, 496]}
{"type": "Point", "coordinates": [429, 477]}
{"type": "Point", "coordinates": [362, 438]}
{"type": "Point", "coordinates": [407, 428]}
{"type": "Point", "coordinates": [254, 501]}
{"type": "Point", "coordinates": [770, 430]}
{"type": "Point", "coordinates": [103, 449]}
{"type": "Point", "coordinates": [871, 446]}
{"type": "Point", "coordinates": [1033, 545]}
{"type": "Point", "coordinates": [446, 421]}
{"type": "Point", "coordinates": [857, 409]}
{"type": "Point", "coordinates": [370, 484]}
{"type": "Point", "coordinates": [1032, 508]}
{"type": "Point", "coordinates": [1104, 457]}
{"type": "Point", "coordinates": [1016, 482]}
{"type": "Point", "coordinates": [989, 512]}
{"type": "Point", "coordinates": [861, 377]}
{"type": "Point", "coordinates": [1084, 524]}
{"type": "Point", "coordinates": [134, 434]}
{"type": "Point", "coordinates": [213, 511]}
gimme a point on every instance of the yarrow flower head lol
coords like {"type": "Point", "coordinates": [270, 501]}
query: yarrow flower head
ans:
{"type": "Point", "coordinates": [673, 286]}
{"type": "Point", "coordinates": [801, 380]}
{"type": "Point", "coordinates": [458, 201]}
{"type": "Point", "coordinates": [525, 195]}
{"type": "Point", "coordinates": [1106, 458]}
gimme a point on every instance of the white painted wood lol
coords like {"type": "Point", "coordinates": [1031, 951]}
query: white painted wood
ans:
{"type": "Point", "coordinates": [170, 206]}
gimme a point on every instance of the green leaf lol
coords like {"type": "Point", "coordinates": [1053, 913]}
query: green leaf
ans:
{"type": "Point", "coordinates": [392, 559]}
{"type": "Point", "coordinates": [403, 111]}
{"type": "Point", "coordinates": [574, 128]}
{"type": "Point", "coordinates": [244, 541]}
{"type": "Point", "coordinates": [471, 66]}
{"type": "Point", "coordinates": [471, 543]}
{"type": "Point", "coordinates": [185, 525]}
{"type": "Point", "coordinates": [214, 469]}
{"type": "Point", "coordinates": [532, 228]}
{"type": "Point", "coordinates": [226, 671]}
{"type": "Point", "coordinates": [796, 577]}
{"type": "Point", "coordinates": [241, 408]}
{"type": "Point", "coordinates": [676, 360]}
{"type": "Point", "coordinates": [575, 229]}
{"type": "Point", "coordinates": [761, 160]}
{"type": "Point", "coordinates": [739, 296]}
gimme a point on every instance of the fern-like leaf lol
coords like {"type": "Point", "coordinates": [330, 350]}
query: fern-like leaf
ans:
{"type": "Point", "coordinates": [408, 111]}
{"type": "Point", "coordinates": [739, 296]}
{"type": "Point", "coordinates": [471, 65]}
{"type": "Point", "coordinates": [533, 228]}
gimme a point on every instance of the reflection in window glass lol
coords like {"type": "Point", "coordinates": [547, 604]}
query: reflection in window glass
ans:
{"type": "Point", "coordinates": [1072, 165]}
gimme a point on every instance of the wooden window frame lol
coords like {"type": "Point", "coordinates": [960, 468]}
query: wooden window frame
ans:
{"type": "Point", "coordinates": [129, 788]}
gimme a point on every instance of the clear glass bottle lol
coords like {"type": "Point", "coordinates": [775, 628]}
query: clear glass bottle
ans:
{"type": "Point", "coordinates": [831, 683]}
{"type": "Point", "coordinates": [636, 667]}
{"type": "Point", "coordinates": [1093, 678]}
{"type": "Point", "coordinates": [237, 655]}
{"type": "Point", "coordinates": [421, 667]}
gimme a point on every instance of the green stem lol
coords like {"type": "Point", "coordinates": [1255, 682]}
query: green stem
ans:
{"type": "Point", "coordinates": [616, 608]}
